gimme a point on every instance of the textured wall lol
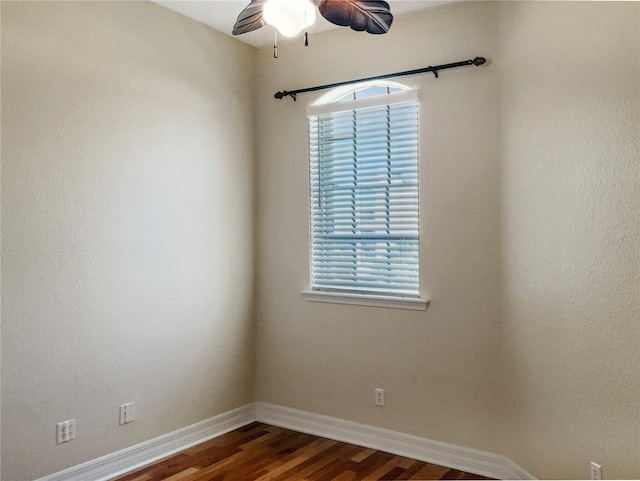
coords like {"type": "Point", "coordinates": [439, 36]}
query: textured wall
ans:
{"type": "Point", "coordinates": [438, 367]}
{"type": "Point", "coordinates": [570, 236]}
{"type": "Point", "coordinates": [126, 227]}
{"type": "Point", "coordinates": [126, 127]}
{"type": "Point", "coordinates": [529, 191]}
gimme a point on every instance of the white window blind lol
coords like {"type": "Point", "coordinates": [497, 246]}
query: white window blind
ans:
{"type": "Point", "coordinates": [364, 195]}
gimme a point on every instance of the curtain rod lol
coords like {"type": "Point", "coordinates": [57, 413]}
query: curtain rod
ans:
{"type": "Point", "coordinates": [476, 61]}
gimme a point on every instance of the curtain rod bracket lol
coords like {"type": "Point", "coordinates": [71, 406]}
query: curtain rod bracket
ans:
{"type": "Point", "coordinates": [476, 61]}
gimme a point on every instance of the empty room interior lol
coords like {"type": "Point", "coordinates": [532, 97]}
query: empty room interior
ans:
{"type": "Point", "coordinates": [441, 266]}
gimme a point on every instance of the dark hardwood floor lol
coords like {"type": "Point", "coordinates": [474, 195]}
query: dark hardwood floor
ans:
{"type": "Point", "coordinates": [259, 452]}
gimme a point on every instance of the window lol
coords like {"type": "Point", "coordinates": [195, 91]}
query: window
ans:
{"type": "Point", "coordinates": [363, 151]}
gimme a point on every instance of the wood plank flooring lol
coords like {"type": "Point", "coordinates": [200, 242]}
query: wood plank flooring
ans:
{"type": "Point", "coordinates": [259, 452]}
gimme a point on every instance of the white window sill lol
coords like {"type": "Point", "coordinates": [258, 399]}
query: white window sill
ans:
{"type": "Point", "coordinates": [365, 300]}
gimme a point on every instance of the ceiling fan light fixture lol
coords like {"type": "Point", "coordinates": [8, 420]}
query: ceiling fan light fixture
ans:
{"type": "Point", "coordinates": [289, 17]}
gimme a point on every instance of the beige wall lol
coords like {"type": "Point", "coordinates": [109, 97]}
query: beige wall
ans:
{"type": "Point", "coordinates": [127, 224]}
{"type": "Point", "coordinates": [128, 131]}
{"type": "Point", "coordinates": [569, 76]}
{"type": "Point", "coordinates": [439, 368]}
{"type": "Point", "coordinates": [529, 191]}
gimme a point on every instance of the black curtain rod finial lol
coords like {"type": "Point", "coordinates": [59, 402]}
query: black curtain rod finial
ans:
{"type": "Point", "coordinates": [284, 93]}
{"type": "Point", "coordinates": [479, 61]}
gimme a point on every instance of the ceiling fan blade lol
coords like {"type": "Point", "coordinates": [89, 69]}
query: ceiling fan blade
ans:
{"type": "Point", "coordinates": [250, 18]}
{"type": "Point", "coordinates": [373, 16]}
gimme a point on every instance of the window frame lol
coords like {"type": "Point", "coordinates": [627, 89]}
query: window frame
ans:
{"type": "Point", "coordinates": [336, 105]}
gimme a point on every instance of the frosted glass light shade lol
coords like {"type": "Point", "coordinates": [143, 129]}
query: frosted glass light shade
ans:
{"type": "Point", "coordinates": [289, 17]}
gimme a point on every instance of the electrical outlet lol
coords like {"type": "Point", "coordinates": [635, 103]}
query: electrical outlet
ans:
{"type": "Point", "coordinates": [62, 434]}
{"type": "Point", "coordinates": [65, 431]}
{"type": "Point", "coordinates": [126, 413]}
{"type": "Point", "coordinates": [379, 397]}
{"type": "Point", "coordinates": [596, 471]}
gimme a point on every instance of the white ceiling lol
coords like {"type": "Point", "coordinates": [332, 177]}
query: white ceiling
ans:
{"type": "Point", "coordinates": [222, 14]}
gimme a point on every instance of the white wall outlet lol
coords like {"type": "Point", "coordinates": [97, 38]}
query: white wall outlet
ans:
{"type": "Point", "coordinates": [65, 431]}
{"type": "Point", "coordinates": [379, 397]}
{"type": "Point", "coordinates": [126, 413]}
{"type": "Point", "coordinates": [596, 471]}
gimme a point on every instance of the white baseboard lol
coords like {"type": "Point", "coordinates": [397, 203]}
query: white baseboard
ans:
{"type": "Point", "coordinates": [463, 459]}
{"type": "Point", "coordinates": [130, 459]}
{"type": "Point", "coordinates": [148, 452]}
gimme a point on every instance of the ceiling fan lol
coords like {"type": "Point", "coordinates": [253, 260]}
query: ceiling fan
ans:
{"type": "Point", "coordinates": [290, 17]}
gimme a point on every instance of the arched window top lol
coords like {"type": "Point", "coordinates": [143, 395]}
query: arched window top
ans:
{"type": "Point", "coordinates": [369, 92]}
{"type": "Point", "coordinates": [362, 90]}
